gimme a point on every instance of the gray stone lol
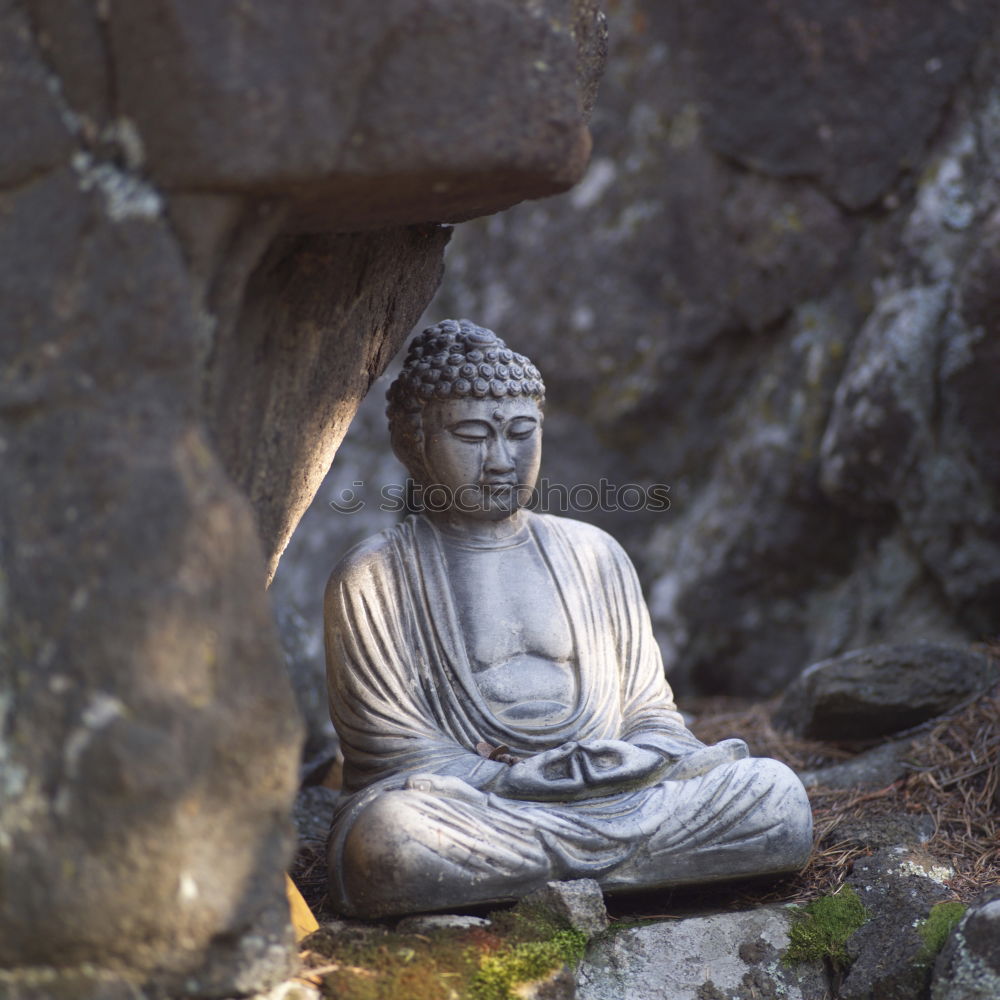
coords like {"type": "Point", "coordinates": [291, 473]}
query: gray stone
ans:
{"type": "Point", "coordinates": [785, 89]}
{"type": "Point", "coordinates": [727, 955]}
{"type": "Point", "coordinates": [318, 311]}
{"type": "Point", "coordinates": [70, 35]}
{"type": "Point", "coordinates": [579, 903]}
{"type": "Point", "coordinates": [889, 959]}
{"type": "Point", "coordinates": [364, 467]}
{"type": "Point", "coordinates": [888, 830]}
{"type": "Point", "coordinates": [137, 638]}
{"type": "Point", "coordinates": [969, 965]}
{"type": "Point", "coordinates": [875, 768]}
{"type": "Point", "coordinates": [36, 136]}
{"type": "Point", "coordinates": [372, 118]}
{"type": "Point", "coordinates": [880, 690]}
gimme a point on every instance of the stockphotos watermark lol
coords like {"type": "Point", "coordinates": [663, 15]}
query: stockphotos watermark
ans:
{"type": "Point", "coordinates": [546, 497]}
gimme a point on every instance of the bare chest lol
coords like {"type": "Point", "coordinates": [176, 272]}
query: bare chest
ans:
{"type": "Point", "coordinates": [515, 629]}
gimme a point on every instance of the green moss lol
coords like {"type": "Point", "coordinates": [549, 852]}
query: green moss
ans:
{"type": "Point", "coordinates": [821, 931]}
{"type": "Point", "coordinates": [934, 931]}
{"type": "Point", "coordinates": [521, 963]}
{"type": "Point", "coordinates": [522, 944]}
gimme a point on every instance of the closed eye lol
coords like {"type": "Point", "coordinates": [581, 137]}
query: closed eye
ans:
{"type": "Point", "coordinates": [471, 430]}
{"type": "Point", "coordinates": [522, 429]}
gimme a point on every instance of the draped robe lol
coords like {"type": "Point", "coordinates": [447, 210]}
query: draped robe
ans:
{"type": "Point", "coordinates": [406, 705]}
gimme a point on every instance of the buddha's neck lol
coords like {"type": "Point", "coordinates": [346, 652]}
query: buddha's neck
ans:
{"type": "Point", "coordinates": [481, 534]}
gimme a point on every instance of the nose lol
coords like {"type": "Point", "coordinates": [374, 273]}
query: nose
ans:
{"type": "Point", "coordinates": [498, 458]}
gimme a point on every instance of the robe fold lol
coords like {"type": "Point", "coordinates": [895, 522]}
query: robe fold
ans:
{"type": "Point", "coordinates": [405, 703]}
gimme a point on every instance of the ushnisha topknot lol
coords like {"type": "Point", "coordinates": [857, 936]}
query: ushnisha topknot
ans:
{"type": "Point", "coordinates": [455, 359]}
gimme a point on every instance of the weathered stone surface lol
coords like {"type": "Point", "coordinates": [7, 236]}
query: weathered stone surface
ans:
{"type": "Point", "coordinates": [144, 703]}
{"type": "Point", "coordinates": [373, 117]}
{"type": "Point", "coordinates": [319, 311]}
{"type": "Point", "coordinates": [875, 768]}
{"type": "Point", "coordinates": [889, 958]}
{"type": "Point", "coordinates": [579, 904]}
{"type": "Point", "coordinates": [969, 965]}
{"type": "Point", "coordinates": [36, 137]}
{"type": "Point", "coordinates": [905, 429]}
{"type": "Point", "coordinates": [729, 955]}
{"type": "Point", "coordinates": [880, 690]}
{"type": "Point", "coordinates": [889, 830]}
{"type": "Point", "coordinates": [847, 93]}
{"type": "Point", "coordinates": [70, 36]}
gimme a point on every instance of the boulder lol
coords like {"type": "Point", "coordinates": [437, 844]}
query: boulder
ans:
{"type": "Point", "coordinates": [890, 958]}
{"type": "Point", "coordinates": [149, 741]}
{"type": "Point", "coordinates": [718, 957]}
{"type": "Point", "coordinates": [881, 690]}
{"type": "Point", "coordinates": [367, 118]}
{"type": "Point", "coordinates": [837, 59]}
{"type": "Point", "coordinates": [317, 311]}
{"type": "Point", "coordinates": [578, 904]}
{"type": "Point", "coordinates": [969, 965]}
{"type": "Point", "coordinates": [37, 133]}
{"type": "Point", "coordinates": [875, 768]}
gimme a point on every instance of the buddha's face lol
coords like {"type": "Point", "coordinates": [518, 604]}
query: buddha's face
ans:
{"type": "Point", "coordinates": [481, 455]}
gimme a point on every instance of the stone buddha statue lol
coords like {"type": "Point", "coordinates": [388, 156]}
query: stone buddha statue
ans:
{"type": "Point", "coordinates": [499, 696]}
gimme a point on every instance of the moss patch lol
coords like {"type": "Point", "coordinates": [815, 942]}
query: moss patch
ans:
{"type": "Point", "coordinates": [535, 944]}
{"type": "Point", "coordinates": [934, 931]}
{"type": "Point", "coordinates": [482, 963]}
{"type": "Point", "coordinates": [821, 931]}
{"type": "Point", "coordinates": [521, 963]}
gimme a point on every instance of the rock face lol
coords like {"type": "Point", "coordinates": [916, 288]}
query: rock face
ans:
{"type": "Point", "coordinates": [218, 223]}
{"type": "Point", "coordinates": [319, 311]}
{"type": "Point", "coordinates": [775, 290]}
{"type": "Point", "coordinates": [149, 742]}
{"type": "Point", "coordinates": [728, 955]}
{"type": "Point", "coordinates": [873, 692]}
{"type": "Point", "coordinates": [969, 965]}
{"type": "Point", "coordinates": [578, 904]}
{"type": "Point", "coordinates": [889, 957]}
{"type": "Point", "coordinates": [333, 103]}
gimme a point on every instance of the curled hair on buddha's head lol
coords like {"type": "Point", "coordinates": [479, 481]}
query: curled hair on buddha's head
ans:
{"type": "Point", "coordinates": [454, 360]}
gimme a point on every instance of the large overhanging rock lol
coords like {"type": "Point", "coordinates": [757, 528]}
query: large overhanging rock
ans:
{"type": "Point", "coordinates": [180, 358]}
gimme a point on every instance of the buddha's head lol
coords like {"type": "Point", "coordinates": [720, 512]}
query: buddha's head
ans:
{"type": "Point", "coordinates": [465, 417]}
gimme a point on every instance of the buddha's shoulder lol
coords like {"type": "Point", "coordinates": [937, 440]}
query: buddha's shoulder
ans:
{"type": "Point", "coordinates": [580, 534]}
{"type": "Point", "coordinates": [370, 556]}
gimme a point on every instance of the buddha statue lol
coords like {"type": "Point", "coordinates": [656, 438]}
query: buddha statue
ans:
{"type": "Point", "coordinates": [497, 690]}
